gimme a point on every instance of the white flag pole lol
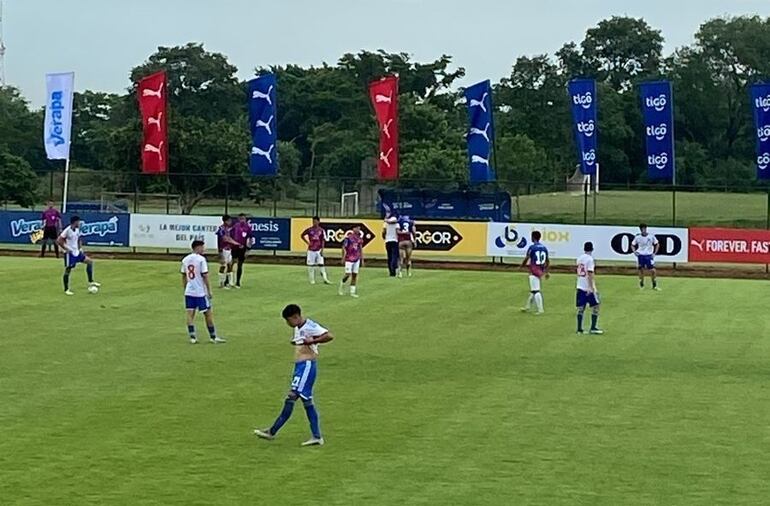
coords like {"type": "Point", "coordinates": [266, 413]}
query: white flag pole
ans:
{"type": "Point", "coordinates": [66, 184]}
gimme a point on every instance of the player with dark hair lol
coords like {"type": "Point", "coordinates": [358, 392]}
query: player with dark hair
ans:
{"type": "Point", "coordinates": [538, 260]}
{"type": "Point", "coordinates": [244, 236]}
{"type": "Point", "coordinates": [225, 244]}
{"type": "Point", "coordinates": [71, 241]}
{"type": "Point", "coordinates": [51, 226]}
{"type": "Point", "coordinates": [307, 336]}
{"type": "Point", "coordinates": [352, 259]}
{"type": "Point", "coordinates": [586, 290]}
{"type": "Point", "coordinates": [315, 238]}
{"type": "Point", "coordinates": [645, 246]}
{"type": "Point", "coordinates": [197, 292]}
{"type": "Point", "coordinates": [407, 241]}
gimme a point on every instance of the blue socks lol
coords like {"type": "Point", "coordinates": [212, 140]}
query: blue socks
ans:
{"type": "Point", "coordinates": [66, 280]}
{"type": "Point", "coordinates": [191, 331]}
{"type": "Point", "coordinates": [312, 416]}
{"type": "Point", "coordinates": [594, 319]}
{"type": "Point", "coordinates": [288, 407]}
{"type": "Point", "coordinates": [212, 332]}
{"type": "Point", "coordinates": [90, 272]}
{"type": "Point", "coordinates": [580, 322]}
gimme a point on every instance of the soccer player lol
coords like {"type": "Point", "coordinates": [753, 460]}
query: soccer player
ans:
{"type": "Point", "coordinates": [586, 290]}
{"type": "Point", "coordinates": [352, 259]}
{"type": "Point", "coordinates": [406, 243]}
{"type": "Point", "coordinates": [225, 244]}
{"type": "Point", "coordinates": [390, 236]}
{"type": "Point", "coordinates": [244, 237]}
{"type": "Point", "coordinates": [315, 238]}
{"type": "Point", "coordinates": [307, 336]}
{"type": "Point", "coordinates": [197, 292]}
{"type": "Point", "coordinates": [539, 261]}
{"type": "Point", "coordinates": [645, 246]}
{"type": "Point", "coordinates": [51, 226]}
{"type": "Point", "coordinates": [71, 241]}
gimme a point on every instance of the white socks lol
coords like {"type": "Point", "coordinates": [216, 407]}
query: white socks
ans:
{"type": "Point", "coordinates": [352, 289]}
{"type": "Point", "coordinates": [323, 273]}
{"type": "Point", "coordinates": [311, 274]}
{"type": "Point", "coordinates": [222, 278]}
{"type": "Point", "coordinates": [538, 301]}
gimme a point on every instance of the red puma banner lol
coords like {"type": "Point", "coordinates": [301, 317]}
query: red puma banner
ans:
{"type": "Point", "coordinates": [384, 96]}
{"type": "Point", "coordinates": [153, 105]}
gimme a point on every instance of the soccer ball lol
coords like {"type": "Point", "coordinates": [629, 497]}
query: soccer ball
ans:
{"type": "Point", "coordinates": [93, 289]}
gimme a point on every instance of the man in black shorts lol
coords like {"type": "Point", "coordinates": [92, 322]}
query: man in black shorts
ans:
{"type": "Point", "coordinates": [51, 227]}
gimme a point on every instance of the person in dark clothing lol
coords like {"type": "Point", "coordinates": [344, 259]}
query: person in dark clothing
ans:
{"type": "Point", "coordinates": [389, 235]}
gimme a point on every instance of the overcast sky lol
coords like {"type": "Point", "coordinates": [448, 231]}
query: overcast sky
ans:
{"type": "Point", "coordinates": [101, 40]}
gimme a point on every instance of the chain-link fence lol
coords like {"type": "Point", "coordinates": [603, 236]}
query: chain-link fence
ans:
{"type": "Point", "coordinates": [544, 202]}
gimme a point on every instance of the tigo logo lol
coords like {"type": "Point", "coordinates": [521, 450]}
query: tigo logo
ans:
{"type": "Point", "coordinates": [659, 132]}
{"type": "Point", "coordinates": [659, 161]}
{"type": "Point", "coordinates": [763, 103]}
{"type": "Point", "coordinates": [584, 100]}
{"type": "Point", "coordinates": [763, 133]}
{"type": "Point", "coordinates": [589, 157]}
{"type": "Point", "coordinates": [658, 103]}
{"type": "Point", "coordinates": [763, 161]}
{"type": "Point", "coordinates": [586, 128]}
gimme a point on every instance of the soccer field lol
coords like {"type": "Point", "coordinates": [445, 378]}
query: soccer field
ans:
{"type": "Point", "coordinates": [436, 390]}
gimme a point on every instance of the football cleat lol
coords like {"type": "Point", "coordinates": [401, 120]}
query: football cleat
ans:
{"type": "Point", "coordinates": [596, 332]}
{"type": "Point", "coordinates": [69, 292]}
{"type": "Point", "coordinates": [264, 434]}
{"type": "Point", "coordinates": [218, 340]}
{"type": "Point", "coordinates": [316, 441]}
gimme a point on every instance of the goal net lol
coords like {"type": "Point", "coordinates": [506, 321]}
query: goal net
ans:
{"type": "Point", "coordinates": [577, 182]}
{"type": "Point", "coordinates": [349, 204]}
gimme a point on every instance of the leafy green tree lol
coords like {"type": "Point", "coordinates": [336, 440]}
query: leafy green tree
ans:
{"type": "Point", "coordinates": [18, 182]}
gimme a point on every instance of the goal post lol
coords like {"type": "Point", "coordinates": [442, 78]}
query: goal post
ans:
{"type": "Point", "coordinates": [349, 204]}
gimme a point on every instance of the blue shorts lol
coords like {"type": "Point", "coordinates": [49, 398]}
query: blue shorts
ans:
{"type": "Point", "coordinates": [646, 261]}
{"type": "Point", "coordinates": [303, 378]}
{"type": "Point", "coordinates": [71, 260]}
{"type": "Point", "coordinates": [201, 304]}
{"type": "Point", "coordinates": [583, 299]}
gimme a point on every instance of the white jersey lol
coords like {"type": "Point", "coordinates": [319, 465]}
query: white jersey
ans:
{"type": "Point", "coordinates": [391, 230]}
{"type": "Point", "coordinates": [71, 238]}
{"type": "Point", "coordinates": [308, 329]}
{"type": "Point", "coordinates": [194, 266]}
{"type": "Point", "coordinates": [585, 264]}
{"type": "Point", "coordinates": [645, 244]}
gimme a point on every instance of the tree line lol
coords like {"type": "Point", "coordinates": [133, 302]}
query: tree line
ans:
{"type": "Point", "coordinates": [326, 126]}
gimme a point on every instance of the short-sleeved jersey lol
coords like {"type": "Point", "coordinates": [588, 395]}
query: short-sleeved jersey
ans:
{"type": "Point", "coordinates": [405, 229]}
{"type": "Point", "coordinates": [71, 238]}
{"type": "Point", "coordinates": [585, 264]}
{"type": "Point", "coordinates": [194, 266]}
{"type": "Point", "coordinates": [390, 226]}
{"type": "Point", "coordinates": [315, 238]}
{"type": "Point", "coordinates": [353, 245]}
{"type": "Point", "coordinates": [51, 217]}
{"type": "Point", "coordinates": [538, 259]}
{"type": "Point", "coordinates": [308, 329]}
{"type": "Point", "coordinates": [645, 244]}
{"type": "Point", "coordinates": [222, 232]}
{"type": "Point", "coordinates": [242, 232]}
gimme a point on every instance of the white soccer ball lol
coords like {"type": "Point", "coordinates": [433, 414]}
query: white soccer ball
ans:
{"type": "Point", "coordinates": [93, 289]}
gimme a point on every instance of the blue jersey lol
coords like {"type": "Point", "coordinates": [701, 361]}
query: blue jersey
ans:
{"type": "Point", "coordinates": [405, 228]}
{"type": "Point", "coordinates": [538, 258]}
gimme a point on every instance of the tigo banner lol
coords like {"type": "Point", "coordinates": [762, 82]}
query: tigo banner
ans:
{"type": "Point", "coordinates": [99, 229]}
{"type": "Point", "coordinates": [449, 238]}
{"type": "Point", "coordinates": [57, 129]}
{"type": "Point", "coordinates": [566, 241]}
{"type": "Point", "coordinates": [729, 245]}
{"type": "Point", "coordinates": [584, 115]}
{"type": "Point", "coordinates": [658, 112]}
{"type": "Point", "coordinates": [760, 95]}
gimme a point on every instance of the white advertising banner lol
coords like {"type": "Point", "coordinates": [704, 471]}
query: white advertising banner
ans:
{"type": "Point", "coordinates": [173, 231]}
{"type": "Point", "coordinates": [566, 241]}
{"type": "Point", "coordinates": [57, 127]}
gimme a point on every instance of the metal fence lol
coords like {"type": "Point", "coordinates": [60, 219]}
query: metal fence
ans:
{"type": "Point", "coordinates": [539, 202]}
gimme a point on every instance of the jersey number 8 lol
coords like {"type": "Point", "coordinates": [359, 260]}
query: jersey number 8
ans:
{"type": "Point", "coordinates": [190, 272]}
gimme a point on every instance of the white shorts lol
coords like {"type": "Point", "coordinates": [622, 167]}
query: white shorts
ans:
{"type": "Point", "coordinates": [534, 283]}
{"type": "Point", "coordinates": [315, 258]}
{"type": "Point", "coordinates": [352, 267]}
{"type": "Point", "coordinates": [226, 256]}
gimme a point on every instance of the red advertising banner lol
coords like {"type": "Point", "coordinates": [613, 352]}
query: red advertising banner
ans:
{"type": "Point", "coordinates": [729, 245]}
{"type": "Point", "coordinates": [384, 97]}
{"type": "Point", "coordinates": [153, 107]}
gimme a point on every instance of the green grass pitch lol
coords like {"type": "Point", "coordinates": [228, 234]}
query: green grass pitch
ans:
{"type": "Point", "coordinates": [436, 391]}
